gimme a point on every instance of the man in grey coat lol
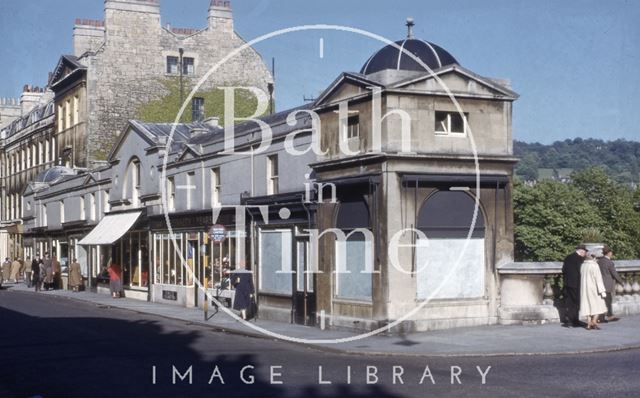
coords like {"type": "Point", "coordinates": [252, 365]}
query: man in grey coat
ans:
{"type": "Point", "coordinates": [609, 277]}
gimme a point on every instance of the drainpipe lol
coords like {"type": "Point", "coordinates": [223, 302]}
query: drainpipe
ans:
{"type": "Point", "coordinates": [180, 66]}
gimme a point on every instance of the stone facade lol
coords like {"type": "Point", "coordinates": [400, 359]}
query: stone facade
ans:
{"type": "Point", "coordinates": [119, 64]}
{"type": "Point", "coordinates": [129, 67]}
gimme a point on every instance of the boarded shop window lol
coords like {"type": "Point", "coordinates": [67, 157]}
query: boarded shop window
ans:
{"type": "Point", "coordinates": [353, 276]}
{"type": "Point", "coordinates": [275, 255]}
{"type": "Point", "coordinates": [450, 262]}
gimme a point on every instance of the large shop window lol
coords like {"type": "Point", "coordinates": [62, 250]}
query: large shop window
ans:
{"type": "Point", "coordinates": [450, 262]}
{"type": "Point", "coordinates": [356, 251]}
{"type": "Point", "coordinates": [168, 263]}
{"type": "Point", "coordinates": [275, 255]}
{"type": "Point", "coordinates": [132, 253]}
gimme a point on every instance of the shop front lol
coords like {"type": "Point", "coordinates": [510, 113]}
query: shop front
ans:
{"type": "Point", "coordinates": [185, 260]}
{"type": "Point", "coordinates": [123, 239]}
{"type": "Point", "coordinates": [285, 277]}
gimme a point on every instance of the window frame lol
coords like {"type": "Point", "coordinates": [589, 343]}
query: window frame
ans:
{"type": "Point", "coordinates": [273, 178]}
{"type": "Point", "coordinates": [169, 65]}
{"type": "Point", "coordinates": [197, 114]}
{"type": "Point", "coordinates": [353, 127]}
{"type": "Point", "coordinates": [448, 115]}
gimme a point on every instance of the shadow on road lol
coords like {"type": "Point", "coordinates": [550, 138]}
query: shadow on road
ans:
{"type": "Point", "coordinates": [68, 356]}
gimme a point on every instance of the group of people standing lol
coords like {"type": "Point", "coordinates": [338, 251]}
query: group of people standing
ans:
{"type": "Point", "coordinates": [589, 284]}
{"type": "Point", "coordinates": [41, 273]}
{"type": "Point", "coordinates": [12, 270]}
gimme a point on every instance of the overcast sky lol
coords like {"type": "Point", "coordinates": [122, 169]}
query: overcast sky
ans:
{"type": "Point", "coordinates": [574, 63]}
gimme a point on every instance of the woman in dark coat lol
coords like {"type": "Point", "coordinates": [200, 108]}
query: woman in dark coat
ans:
{"type": "Point", "coordinates": [243, 301]}
{"type": "Point", "coordinates": [35, 275]}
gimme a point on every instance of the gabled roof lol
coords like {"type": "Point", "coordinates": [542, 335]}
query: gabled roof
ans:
{"type": "Point", "coordinates": [189, 149]}
{"type": "Point", "coordinates": [357, 79]}
{"type": "Point", "coordinates": [455, 68]}
{"type": "Point", "coordinates": [68, 64]}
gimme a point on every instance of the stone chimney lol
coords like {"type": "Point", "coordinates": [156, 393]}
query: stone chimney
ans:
{"type": "Point", "coordinates": [88, 35]}
{"type": "Point", "coordinates": [145, 6]}
{"type": "Point", "coordinates": [123, 17]}
{"type": "Point", "coordinates": [30, 97]}
{"type": "Point", "coordinates": [9, 111]}
{"type": "Point", "coordinates": [212, 121]}
{"type": "Point", "coordinates": [220, 15]}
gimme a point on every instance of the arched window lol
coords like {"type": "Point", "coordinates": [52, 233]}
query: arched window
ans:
{"type": "Point", "coordinates": [131, 182]}
{"type": "Point", "coordinates": [451, 262]}
{"type": "Point", "coordinates": [449, 214]}
{"type": "Point", "coordinates": [354, 254]}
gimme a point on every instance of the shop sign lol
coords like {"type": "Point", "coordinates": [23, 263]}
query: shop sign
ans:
{"type": "Point", "coordinates": [170, 295]}
{"type": "Point", "coordinates": [218, 233]}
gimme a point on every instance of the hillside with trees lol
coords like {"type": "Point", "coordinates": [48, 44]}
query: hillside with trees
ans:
{"type": "Point", "coordinates": [619, 159]}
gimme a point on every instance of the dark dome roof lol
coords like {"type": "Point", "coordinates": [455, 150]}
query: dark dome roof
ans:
{"type": "Point", "coordinates": [54, 174]}
{"type": "Point", "coordinates": [391, 57]}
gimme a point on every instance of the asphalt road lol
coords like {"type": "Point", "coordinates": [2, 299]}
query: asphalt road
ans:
{"type": "Point", "coordinates": [54, 347]}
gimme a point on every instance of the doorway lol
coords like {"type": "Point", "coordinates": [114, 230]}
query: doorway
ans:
{"type": "Point", "coordinates": [304, 296]}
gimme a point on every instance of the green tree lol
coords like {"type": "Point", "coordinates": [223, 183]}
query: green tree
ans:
{"type": "Point", "coordinates": [550, 218]}
{"type": "Point", "coordinates": [614, 203]}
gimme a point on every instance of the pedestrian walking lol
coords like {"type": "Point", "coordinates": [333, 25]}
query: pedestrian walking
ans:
{"type": "Point", "coordinates": [56, 268]}
{"type": "Point", "coordinates": [571, 291]}
{"type": "Point", "coordinates": [6, 270]}
{"type": "Point", "coordinates": [592, 292]}
{"type": "Point", "coordinates": [115, 279]}
{"type": "Point", "coordinates": [15, 269]}
{"type": "Point", "coordinates": [37, 269]}
{"type": "Point", "coordinates": [75, 276]}
{"type": "Point", "coordinates": [242, 281]}
{"type": "Point", "coordinates": [609, 276]}
{"type": "Point", "coordinates": [28, 268]}
{"type": "Point", "coordinates": [48, 272]}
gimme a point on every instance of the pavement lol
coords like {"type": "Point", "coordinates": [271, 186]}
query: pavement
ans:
{"type": "Point", "coordinates": [493, 340]}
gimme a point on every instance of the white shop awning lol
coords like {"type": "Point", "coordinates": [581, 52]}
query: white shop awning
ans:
{"type": "Point", "coordinates": [110, 229]}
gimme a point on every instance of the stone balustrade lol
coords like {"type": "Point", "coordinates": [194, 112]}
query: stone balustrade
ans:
{"type": "Point", "coordinates": [531, 292]}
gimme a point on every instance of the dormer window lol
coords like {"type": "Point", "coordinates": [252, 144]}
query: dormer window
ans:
{"type": "Point", "coordinates": [451, 123]}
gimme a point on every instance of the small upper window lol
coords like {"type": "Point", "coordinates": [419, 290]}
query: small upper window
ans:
{"type": "Point", "coordinates": [272, 175]}
{"type": "Point", "coordinates": [353, 127]}
{"type": "Point", "coordinates": [197, 109]}
{"type": "Point", "coordinates": [172, 65]}
{"type": "Point", "coordinates": [188, 66]}
{"type": "Point", "coordinates": [451, 123]}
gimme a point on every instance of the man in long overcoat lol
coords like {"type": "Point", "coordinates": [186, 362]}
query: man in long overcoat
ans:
{"type": "Point", "coordinates": [571, 276]}
{"type": "Point", "coordinates": [609, 276]}
{"type": "Point", "coordinates": [75, 275]}
{"type": "Point", "coordinates": [6, 270]}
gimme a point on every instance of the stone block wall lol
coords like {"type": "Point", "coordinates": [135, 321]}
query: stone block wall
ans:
{"type": "Point", "coordinates": [130, 69]}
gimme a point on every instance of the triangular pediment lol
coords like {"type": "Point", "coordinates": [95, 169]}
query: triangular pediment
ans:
{"type": "Point", "coordinates": [134, 128]}
{"type": "Point", "coordinates": [89, 179]}
{"type": "Point", "coordinates": [189, 152]}
{"type": "Point", "coordinates": [458, 80]}
{"type": "Point", "coordinates": [346, 86]}
{"type": "Point", "coordinates": [67, 64]}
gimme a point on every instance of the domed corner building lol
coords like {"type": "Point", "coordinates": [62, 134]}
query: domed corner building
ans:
{"type": "Point", "coordinates": [421, 159]}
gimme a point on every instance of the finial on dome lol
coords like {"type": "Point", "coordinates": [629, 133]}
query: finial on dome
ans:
{"type": "Point", "coordinates": [410, 24]}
